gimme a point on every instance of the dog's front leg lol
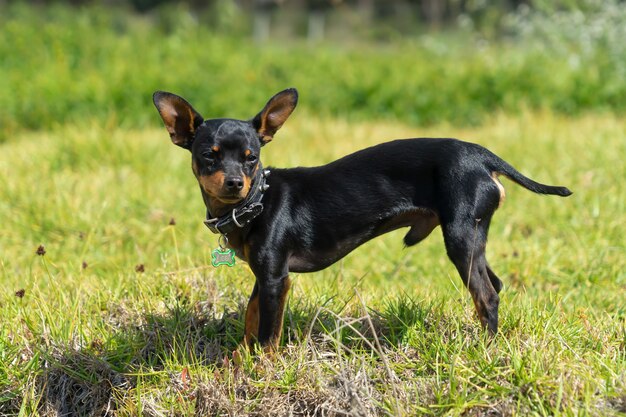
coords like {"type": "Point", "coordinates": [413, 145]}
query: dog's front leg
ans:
{"type": "Point", "coordinates": [272, 298]}
{"type": "Point", "coordinates": [251, 329]}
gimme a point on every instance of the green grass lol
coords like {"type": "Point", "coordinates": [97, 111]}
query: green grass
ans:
{"type": "Point", "coordinates": [68, 65]}
{"type": "Point", "coordinates": [386, 331]}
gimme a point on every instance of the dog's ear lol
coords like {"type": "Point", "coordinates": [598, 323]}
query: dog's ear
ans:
{"type": "Point", "coordinates": [274, 114]}
{"type": "Point", "coordinates": [181, 120]}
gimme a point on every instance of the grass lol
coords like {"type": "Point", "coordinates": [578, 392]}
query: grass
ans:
{"type": "Point", "coordinates": [122, 312]}
{"type": "Point", "coordinates": [65, 65]}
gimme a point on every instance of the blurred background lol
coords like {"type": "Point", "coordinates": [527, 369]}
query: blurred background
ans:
{"type": "Point", "coordinates": [108, 293]}
{"type": "Point", "coordinates": [418, 61]}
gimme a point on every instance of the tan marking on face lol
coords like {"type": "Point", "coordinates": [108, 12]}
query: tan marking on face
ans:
{"type": "Point", "coordinates": [494, 177]}
{"type": "Point", "coordinates": [247, 183]}
{"type": "Point", "coordinates": [215, 148]}
{"type": "Point", "coordinates": [247, 152]}
{"type": "Point", "coordinates": [213, 183]}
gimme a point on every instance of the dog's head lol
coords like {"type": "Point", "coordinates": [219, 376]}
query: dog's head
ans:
{"type": "Point", "coordinates": [224, 152]}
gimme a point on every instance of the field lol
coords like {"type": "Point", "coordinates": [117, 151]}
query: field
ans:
{"type": "Point", "coordinates": [385, 331]}
{"type": "Point", "coordinates": [65, 65]}
{"type": "Point", "coordinates": [110, 306]}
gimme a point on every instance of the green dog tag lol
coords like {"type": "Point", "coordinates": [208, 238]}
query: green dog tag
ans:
{"type": "Point", "coordinates": [223, 256]}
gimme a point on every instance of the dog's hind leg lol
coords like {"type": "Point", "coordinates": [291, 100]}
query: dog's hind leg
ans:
{"type": "Point", "coordinates": [495, 281]}
{"type": "Point", "coordinates": [465, 245]}
{"type": "Point", "coordinates": [465, 224]}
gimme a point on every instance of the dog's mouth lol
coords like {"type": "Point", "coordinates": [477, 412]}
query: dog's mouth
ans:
{"type": "Point", "coordinates": [225, 197]}
{"type": "Point", "coordinates": [231, 199]}
{"type": "Point", "coordinates": [218, 192]}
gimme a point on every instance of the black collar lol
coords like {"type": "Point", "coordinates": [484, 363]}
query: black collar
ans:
{"type": "Point", "coordinates": [245, 211]}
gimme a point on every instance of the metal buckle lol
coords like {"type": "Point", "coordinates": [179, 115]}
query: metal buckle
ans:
{"type": "Point", "coordinates": [222, 241]}
{"type": "Point", "coordinates": [211, 224]}
{"type": "Point", "coordinates": [239, 225]}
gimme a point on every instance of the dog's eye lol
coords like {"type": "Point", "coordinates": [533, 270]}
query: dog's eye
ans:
{"type": "Point", "coordinates": [208, 159]}
{"type": "Point", "coordinates": [251, 158]}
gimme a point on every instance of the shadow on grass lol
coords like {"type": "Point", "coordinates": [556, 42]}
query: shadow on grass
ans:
{"type": "Point", "coordinates": [357, 327]}
{"type": "Point", "coordinates": [97, 379]}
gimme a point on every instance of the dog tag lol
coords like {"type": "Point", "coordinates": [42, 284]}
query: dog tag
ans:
{"type": "Point", "coordinates": [223, 256]}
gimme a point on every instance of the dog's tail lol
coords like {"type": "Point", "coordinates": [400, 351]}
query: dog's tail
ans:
{"type": "Point", "coordinates": [500, 166]}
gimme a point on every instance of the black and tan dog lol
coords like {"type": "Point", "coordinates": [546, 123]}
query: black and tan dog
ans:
{"type": "Point", "coordinates": [305, 219]}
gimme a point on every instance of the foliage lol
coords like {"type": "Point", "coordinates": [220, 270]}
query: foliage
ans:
{"type": "Point", "coordinates": [67, 65]}
{"type": "Point", "coordinates": [592, 32]}
{"type": "Point", "coordinates": [119, 311]}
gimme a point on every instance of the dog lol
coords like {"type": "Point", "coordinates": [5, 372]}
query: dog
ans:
{"type": "Point", "coordinates": [305, 219]}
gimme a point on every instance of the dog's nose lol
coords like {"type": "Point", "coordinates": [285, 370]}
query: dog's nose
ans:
{"type": "Point", "coordinates": [234, 183]}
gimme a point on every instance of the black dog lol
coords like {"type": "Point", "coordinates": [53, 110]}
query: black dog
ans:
{"type": "Point", "coordinates": [305, 219]}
